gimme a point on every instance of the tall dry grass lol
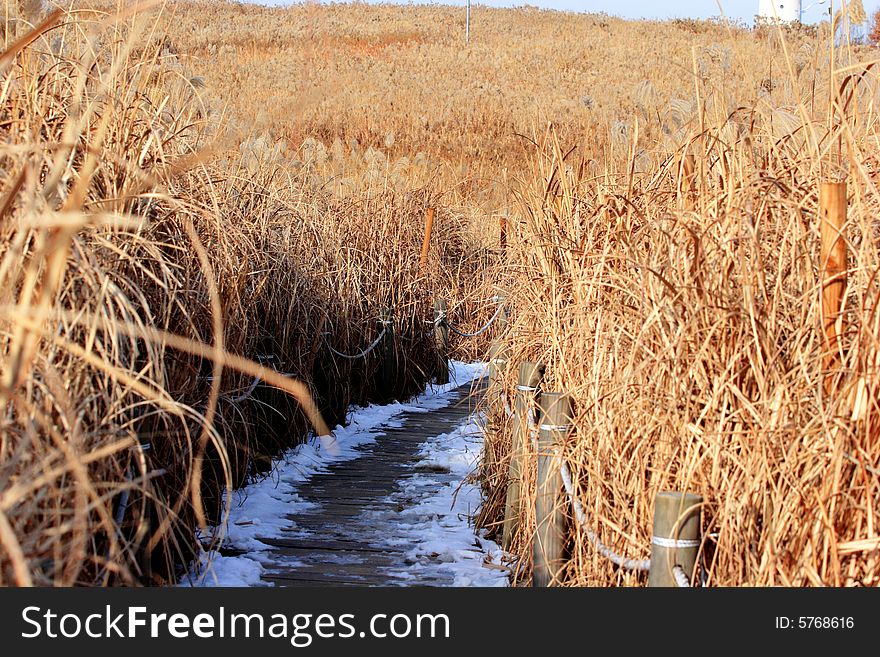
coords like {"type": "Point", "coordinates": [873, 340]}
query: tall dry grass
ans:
{"type": "Point", "coordinates": [682, 313]}
{"type": "Point", "coordinates": [169, 292]}
{"type": "Point", "coordinates": [197, 195]}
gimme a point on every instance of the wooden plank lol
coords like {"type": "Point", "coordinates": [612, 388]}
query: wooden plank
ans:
{"type": "Point", "coordinates": [339, 571]}
{"type": "Point", "coordinates": [316, 544]}
{"type": "Point", "coordinates": [350, 494]}
{"type": "Point", "coordinates": [316, 552]}
{"type": "Point", "coordinates": [290, 580]}
{"type": "Point", "coordinates": [377, 504]}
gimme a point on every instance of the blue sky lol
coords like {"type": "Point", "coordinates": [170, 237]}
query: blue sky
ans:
{"type": "Point", "coordinates": [740, 9]}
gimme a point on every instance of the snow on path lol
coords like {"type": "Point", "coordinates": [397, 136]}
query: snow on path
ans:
{"type": "Point", "coordinates": [438, 525]}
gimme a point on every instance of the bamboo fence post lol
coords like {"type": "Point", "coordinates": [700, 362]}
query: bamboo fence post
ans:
{"type": "Point", "coordinates": [547, 548]}
{"type": "Point", "coordinates": [388, 368]}
{"type": "Point", "coordinates": [686, 180]}
{"type": "Point", "coordinates": [676, 536]}
{"type": "Point", "coordinates": [501, 300]}
{"type": "Point", "coordinates": [497, 366]}
{"type": "Point", "coordinates": [832, 263]}
{"type": "Point", "coordinates": [528, 381]}
{"type": "Point", "coordinates": [441, 337]}
{"type": "Point", "coordinates": [426, 242]}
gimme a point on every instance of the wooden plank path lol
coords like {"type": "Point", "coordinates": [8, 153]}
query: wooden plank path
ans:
{"type": "Point", "coordinates": [353, 534]}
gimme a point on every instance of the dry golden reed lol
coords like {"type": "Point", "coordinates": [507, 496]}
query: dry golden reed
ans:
{"type": "Point", "coordinates": [681, 312]}
{"type": "Point", "coordinates": [168, 300]}
{"type": "Point", "coordinates": [195, 194]}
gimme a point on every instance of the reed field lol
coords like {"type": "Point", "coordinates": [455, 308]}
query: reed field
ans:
{"type": "Point", "coordinates": [199, 199]}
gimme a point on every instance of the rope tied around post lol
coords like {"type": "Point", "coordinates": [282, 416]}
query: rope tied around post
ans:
{"type": "Point", "coordinates": [679, 576]}
{"type": "Point", "coordinates": [676, 535]}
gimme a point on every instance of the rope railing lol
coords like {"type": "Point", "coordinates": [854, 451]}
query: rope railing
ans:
{"type": "Point", "coordinates": [252, 387]}
{"type": "Point", "coordinates": [681, 578]}
{"type": "Point", "coordinates": [365, 352]}
{"type": "Point", "coordinates": [679, 575]}
{"type": "Point", "coordinates": [247, 393]}
{"type": "Point", "coordinates": [542, 420]}
{"type": "Point", "coordinates": [442, 318]}
{"type": "Point", "coordinates": [601, 548]}
{"type": "Point", "coordinates": [386, 321]}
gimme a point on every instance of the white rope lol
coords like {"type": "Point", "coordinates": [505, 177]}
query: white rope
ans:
{"type": "Point", "coordinates": [675, 543]}
{"type": "Point", "coordinates": [601, 548]}
{"type": "Point", "coordinates": [681, 578]}
{"type": "Point", "coordinates": [481, 331]}
{"type": "Point", "coordinates": [555, 427]}
{"type": "Point", "coordinates": [364, 352]}
{"type": "Point", "coordinates": [246, 394]}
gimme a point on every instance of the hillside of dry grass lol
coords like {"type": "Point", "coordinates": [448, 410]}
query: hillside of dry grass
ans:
{"type": "Point", "coordinates": [402, 82]}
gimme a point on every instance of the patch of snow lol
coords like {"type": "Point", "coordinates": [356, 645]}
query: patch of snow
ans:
{"type": "Point", "coordinates": [216, 570]}
{"type": "Point", "coordinates": [261, 509]}
{"type": "Point", "coordinates": [439, 523]}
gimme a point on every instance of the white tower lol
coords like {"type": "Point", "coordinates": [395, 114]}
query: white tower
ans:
{"type": "Point", "coordinates": [783, 11]}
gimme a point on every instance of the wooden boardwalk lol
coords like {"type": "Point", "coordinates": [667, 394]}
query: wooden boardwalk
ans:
{"type": "Point", "coordinates": [349, 537]}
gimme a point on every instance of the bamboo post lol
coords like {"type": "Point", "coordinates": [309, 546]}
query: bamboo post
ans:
{"type": "Point", "coordinates": [426, 242]}
{"type": "Point", "coordinates": [832, 263]}
{"type": "Point", "coordinates": [497, 366]}
{"type": "Point", "coordinates": [686, 180]}
{"type": "Point", "coordinates": [547, 548]}
{"type": "Point", "coordinates": [441, 336]}
{"type": "Point", "coordinates": [503, 318]}
{"type": "Point", "coordinates": [388, 369]}
{"type": "Point", "coordinates": [528, 381]}
{"type": "Point", "coordinates": [676, 537]}
{"type": "Point", "coordinates": [503, 233]}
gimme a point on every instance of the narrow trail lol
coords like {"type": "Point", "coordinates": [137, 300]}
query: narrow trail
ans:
{"type": "Point", "coordinates": [384, 505]}
{"type": "Point", "coordinates": [359, 531]}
